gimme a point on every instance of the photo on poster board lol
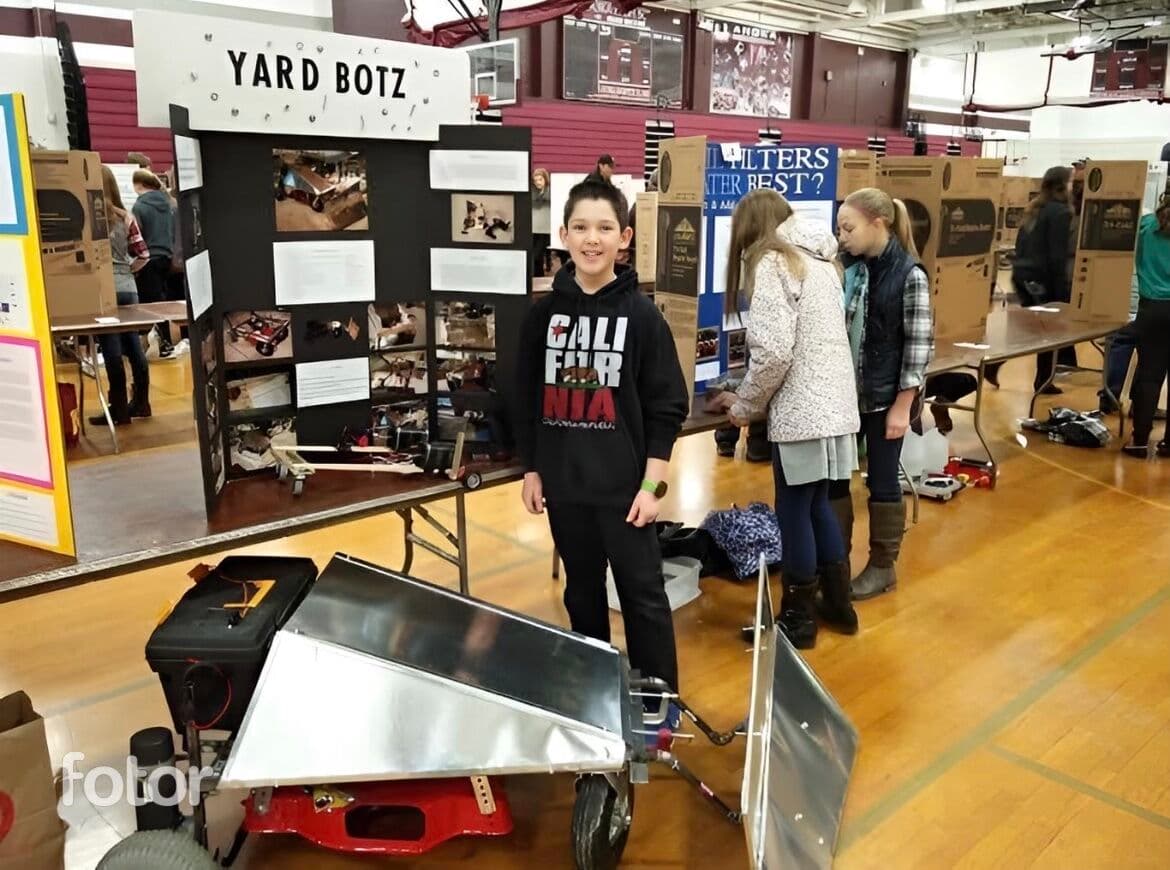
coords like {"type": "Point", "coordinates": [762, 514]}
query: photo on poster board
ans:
{"type": "Point", "coordinates": [250, 444]}
{"type": "Point", "coordinates": [465, 326]}
{"type": "Point", "coordinates": [402, 424]}
{"type": "Point", "coordinates": [397, 325]}
{"type": "Point", "coordinates": [211, 405]}
{"type": "Point", "coordinates": [457, 415]}
{"type": "Point", "coordinates": [483, 218]}
{"type": "Point", "coordinates": [398, 372]}
{"type": "Point", "coordinates": [329, 334]}
{"type": "Point", "coordinates": [751, 70]}
{"type": "Point", "coordinates": [251, 392]}
{"type": "Point", "coordinates": [207, 352]}
{"type": "Point", "coordinates": [707, 344]}
{"type": "Point", "coordinates": [195, 230]}
{"type": "Point", "coordinates": [218, 470]}
{"type": "Point", "coordinates": [465, 370]}
{"type": "Point", "coordinates": [737, 349]}
{"type": "Point", "coordinates": [321, 191]}
{"type": "Point", "coordinates": [249, 336]}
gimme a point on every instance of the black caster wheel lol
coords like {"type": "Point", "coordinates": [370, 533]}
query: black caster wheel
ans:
{"type": "Point", "coordinates": [266, 349]}
{"type": "Point", "coordinates": [282, 472]}
{"type": "Point", "coordinates": [601, 823]}
{"type": "Point", "coordinates": [474, 480]}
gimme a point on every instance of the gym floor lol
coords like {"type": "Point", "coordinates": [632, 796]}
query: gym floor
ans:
{"type": "Point", "coordinates": [1011, 695]}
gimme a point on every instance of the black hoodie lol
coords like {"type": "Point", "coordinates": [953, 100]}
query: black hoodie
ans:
{"type": "Point", "coordinates": [600, 390]}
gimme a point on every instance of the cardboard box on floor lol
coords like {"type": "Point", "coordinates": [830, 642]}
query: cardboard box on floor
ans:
{"type": "Point", "coordinates": [32, 835]}
{"type": "Point", "coordinates": [1103, 269]}
{"type": "Point", "coordinates": [75, 240]}
{"type": "Point", "coordinates": [855, 169]}
{"type": "Point", "coordinates": [682, 174]}
{"type": "Point", "coordinates": [1018, 191]}
{"type": "Point", "coordinates": [953, 204]}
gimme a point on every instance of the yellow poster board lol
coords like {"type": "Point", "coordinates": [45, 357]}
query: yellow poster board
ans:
{"type": "Point", "coordinates": [34, 489]}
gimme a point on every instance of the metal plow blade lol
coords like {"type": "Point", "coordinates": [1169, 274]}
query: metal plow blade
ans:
{"type": "Point", "coordinates": [801, 749]}
{"type": "Point", "coordinates": [379, 676]}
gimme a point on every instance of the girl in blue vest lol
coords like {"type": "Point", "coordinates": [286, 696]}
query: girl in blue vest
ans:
{"type": "Point", "coordinates": [891, 335]}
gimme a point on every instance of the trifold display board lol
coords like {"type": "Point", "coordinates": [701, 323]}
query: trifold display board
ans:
{"type": "Point", "coordinates": [34, 488]}
{"type": "Point", "coordinates": [953, 204]}
{"type": "Point", "coordinates": [1017, 192]}
{"type": "Point", "coordinates": [855, 170]}
{"type": "Point", "coordinates": [806, 175]}
{"type": "Point", "coordinates": [1103, 270]}
{"type": "Point", "coordinates": [352, 289]}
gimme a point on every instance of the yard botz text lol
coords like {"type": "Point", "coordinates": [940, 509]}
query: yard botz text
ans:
{"type": "Point", "coordinates": [282, 72]}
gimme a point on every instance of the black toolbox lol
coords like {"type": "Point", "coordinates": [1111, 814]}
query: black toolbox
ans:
{"type": "Point", "coordinates": [220, 648]}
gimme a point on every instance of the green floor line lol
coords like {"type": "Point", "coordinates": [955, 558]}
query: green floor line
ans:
{"type": "Point", "coordinates": [893, 801]}
{"type": "Point", "coordinates": [1080, 787]}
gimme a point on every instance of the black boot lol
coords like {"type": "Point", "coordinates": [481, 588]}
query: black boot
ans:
{"type": "Point", "coordinates": [836, 605]}
{"type": "Point", "coordinates": [119, 413]}
{"type": "Point", "coordinates": [797, 617]}
{"type": "Point", "coordinates": [140, 404]}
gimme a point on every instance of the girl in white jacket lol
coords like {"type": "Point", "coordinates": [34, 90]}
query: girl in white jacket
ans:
{"type": "Point", "coordinates": [801, 374]}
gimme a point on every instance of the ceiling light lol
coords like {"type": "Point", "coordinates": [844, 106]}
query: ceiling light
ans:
{"type": "Point", "coordinates": [1153, 22]}
{"type": "Point", "coordinates": [1081, 41]}
{"type": "Point", "coordinates": [934, 5]}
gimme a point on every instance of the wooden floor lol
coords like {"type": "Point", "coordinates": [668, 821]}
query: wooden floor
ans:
{"type": "Point", "coordinates": [1013, 695]}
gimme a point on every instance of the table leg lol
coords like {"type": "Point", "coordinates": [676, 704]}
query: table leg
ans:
{"type": "Point", "coordinates": [1044, 386]}
{"type": "Point", "coordinates": [461, 543]}
{"type": "Point", "coordinates": [408, 539]}
{"type": "Point", "coordinates": [978, 421]}
{"type": "Point", "coordinates": [97, 379]}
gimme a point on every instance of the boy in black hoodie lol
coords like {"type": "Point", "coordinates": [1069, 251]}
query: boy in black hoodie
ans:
{"type": "Point", "coordinates": [601, 399]}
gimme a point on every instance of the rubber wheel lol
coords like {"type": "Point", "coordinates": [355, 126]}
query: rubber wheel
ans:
{"type": "Point", "coordinates": [298, 486]}
{"type": "Point", "coordinates": [266, 349]}
{"type": "Point", "coordinates": [158, 850]}
{"type": "Point", "coordinates": [600, 826]}
{"type": "Point", "coordinates": [474, 480]}
{"type": "Point", "coordinates": [281, 472]}
{"type": "Point", "coordinates": [318, 205]}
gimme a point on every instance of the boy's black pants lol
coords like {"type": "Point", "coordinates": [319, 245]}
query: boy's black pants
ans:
{"type": "Point", "coordinates": [588, 538]}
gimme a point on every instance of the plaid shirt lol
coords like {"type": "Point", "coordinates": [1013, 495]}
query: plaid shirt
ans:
{"type": "Point", "coordinates": [919, 328]}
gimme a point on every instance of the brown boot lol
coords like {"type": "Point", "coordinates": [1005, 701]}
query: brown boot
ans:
{"type": "Point", "coordinates": [887, 525]}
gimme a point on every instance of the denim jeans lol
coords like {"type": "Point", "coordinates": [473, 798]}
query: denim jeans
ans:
{"type": "Point", "coordinates": [114, 347]}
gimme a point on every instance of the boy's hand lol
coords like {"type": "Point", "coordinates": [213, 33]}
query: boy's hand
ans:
{"type": "Point", "coordinates": [644, 510]}
{"type": "Point", "coordinates": [533, 493]}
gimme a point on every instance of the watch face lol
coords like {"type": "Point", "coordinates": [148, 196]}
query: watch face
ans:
{"type": "Point", "coordinates": [660, 492]}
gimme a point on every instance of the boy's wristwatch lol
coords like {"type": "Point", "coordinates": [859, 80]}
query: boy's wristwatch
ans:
{"type": "Point", "coordinates": [657, 489]}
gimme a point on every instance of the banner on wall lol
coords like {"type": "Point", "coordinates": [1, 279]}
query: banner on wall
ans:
{"type": "Point", "coordinates": [805, 175]}
{"type": "Point", "coordinates": [751, 69]}
{"type": "Point", "coordinates": [34, 489]}
{"type": "Point", "coordinates": [631, 56]}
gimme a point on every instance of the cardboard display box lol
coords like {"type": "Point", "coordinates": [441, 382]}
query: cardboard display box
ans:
{"type": "Point", "coordinates": [855, 170]}
{"type": "Point", "coordinates": [953, 204]}
{"type": "Point", "coordinates": [1103, 270]}
{"type": "Point", "coordinates": [75, 240]}
{"type": "Point", "coordinates": [1017, 192]}
{"type": "Point", "coordinates": [646, 241]}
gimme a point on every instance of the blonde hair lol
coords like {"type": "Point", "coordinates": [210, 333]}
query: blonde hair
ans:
{"type": "Point", "coordinates": [878, 205]}
{"type": "Point", "coordinates": [753, 233]}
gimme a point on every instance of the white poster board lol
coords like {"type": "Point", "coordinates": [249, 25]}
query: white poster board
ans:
{"type": "Point", "coordinates": [252, 77]}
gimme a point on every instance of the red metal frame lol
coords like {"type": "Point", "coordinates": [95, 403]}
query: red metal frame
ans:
{"type": "Point", "coordinates": [449, 808]}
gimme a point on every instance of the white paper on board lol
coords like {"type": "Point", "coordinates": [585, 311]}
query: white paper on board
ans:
{"type": "Point", "coordinates": [480, 170]}
{"type": "Point", "coordinates": [732, 151]}
{"type": "Point", "coordinates": [708, 371]}
{"type": "Point", "coordinates": [189, 161]}
{"type": "Point", "coordinates": [333, 381]}
{"type": "Point", "coordinates": [464, 270]}
{"type": "Point", "coordinates": [24, 437]}
{"type": "Point", "coordinates": [199, 282]}
{"type": "Point", "coordinates": [14, 301]}
{"type": "Point", "coordinates": [323, 272]}
{"type": "Point", "coordinates": [124, 175]}
{"type": "Point", "coordinates": [107, 321]}
{"type": "Point", "coordinates": [29, 515]}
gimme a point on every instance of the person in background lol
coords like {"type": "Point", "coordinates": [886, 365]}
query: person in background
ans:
{"type": "Point", "coordinates": [1152, 264]}
{"type": "Point", "coordinates": [1040, 271]}
{"type": "Point", "coordinates": [130, 253]}
{"type": "Point", "coordinates": [1121, 347]}
{"type": "Point", "coordinates": [155, 216]}
{"type": "Point", "coordinates": [541, 221]}
{"type": "Point", "coordinates": [800, 376]}
{"type": "Point", "coordinates": [139, 159]}
{"type": "Point", "coordinates": [603, 171]}
{"type": "Point", "coordinates": [891, 336]}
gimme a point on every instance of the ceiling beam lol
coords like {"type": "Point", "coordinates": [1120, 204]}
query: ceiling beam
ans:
{"type": "Point", "coordinates": [948, 10]}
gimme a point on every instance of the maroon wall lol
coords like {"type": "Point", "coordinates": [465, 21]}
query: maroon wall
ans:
{"type": "Point", "coordinates": [113, 119]}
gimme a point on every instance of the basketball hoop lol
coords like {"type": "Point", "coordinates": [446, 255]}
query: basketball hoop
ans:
{"type": "Point", "coordinates": [480, 102]}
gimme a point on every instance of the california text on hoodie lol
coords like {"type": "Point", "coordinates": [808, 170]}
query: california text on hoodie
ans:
{"type": "Point", "coordinates": [599, 390]}
{"type": "Point", "coordinates": [156, 219]}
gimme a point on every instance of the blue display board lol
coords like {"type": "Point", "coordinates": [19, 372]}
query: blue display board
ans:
{"type": "Point", "coordinates": [806, 175]}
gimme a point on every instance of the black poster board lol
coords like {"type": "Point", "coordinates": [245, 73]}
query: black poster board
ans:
{"type": "Point", "coordinates": [246, 348]}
